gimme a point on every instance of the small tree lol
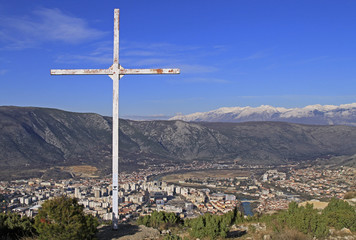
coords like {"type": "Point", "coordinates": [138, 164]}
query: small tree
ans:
{"type": "Point", "coordinates": [63, 218]}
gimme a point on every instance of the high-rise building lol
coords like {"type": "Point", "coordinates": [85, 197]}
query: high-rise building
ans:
{"type": "Point", "coordinates": [77, 193]}
{"type": "Point", "coordinates": [97, 193]}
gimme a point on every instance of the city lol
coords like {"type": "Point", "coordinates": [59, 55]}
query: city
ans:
{"type": "Point", "coordinates": [265, 190]}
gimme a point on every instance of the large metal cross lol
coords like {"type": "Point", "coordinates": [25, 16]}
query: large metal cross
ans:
{"type": "Point", "coordinates": [115, 72]}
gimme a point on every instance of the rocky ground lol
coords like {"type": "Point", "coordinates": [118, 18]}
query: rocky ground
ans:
{"type": "Point", "coordinates": [241, 232]}
{"type": "Point", "coordinates": [127, 232]}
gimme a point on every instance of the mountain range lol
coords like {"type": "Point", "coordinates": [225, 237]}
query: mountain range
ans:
{"type": "Point", "coordinates": [312, 114]}
{"type": "Point", "coordinates": [35, 140]}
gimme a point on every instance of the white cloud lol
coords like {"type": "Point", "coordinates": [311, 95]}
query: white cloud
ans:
{"type": "Point", "coordinates": [44, 25]}
{"type": "Point", "coordinates": [3, 71]}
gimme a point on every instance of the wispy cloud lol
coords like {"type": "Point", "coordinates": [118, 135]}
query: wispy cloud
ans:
{"type": "Point", "coordinates": [101, 53]}
{"type": "Point", "coordinates": [220, 47]}
{"type": "Point", "coordinates": [203, 80]}
{"type": "Point", "coordinates": [147, 55]}
{"type": "Point", "coordinates": [141, 53]}
{"type": "Point", "coordinates": [311, 60]}
{"type": "Point", "coordinates": [153, 62]}
{"type": "Point", "coordinates": [44, 24]}
{"type": "Point", "coordinates": [72, 58]}
{"type": "Point", "coordinates": [3, 71]}
{"type": "Point", "coordinates": [160, 48]}
{"type": "Point", "coordinates": [257, 55]}
{"type": "Point", "coordinates": [182, 56]}
{"type": "Point", "coordinates": [197, 68]}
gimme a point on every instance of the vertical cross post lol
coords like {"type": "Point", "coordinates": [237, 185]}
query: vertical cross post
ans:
{"type": "Point", "coordinates": [115, 123]}
{"type": "Point", "coordinates": [115, 72]}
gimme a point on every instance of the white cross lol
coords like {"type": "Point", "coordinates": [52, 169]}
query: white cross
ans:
{"type": "Point", "coordinates": [115, 72]}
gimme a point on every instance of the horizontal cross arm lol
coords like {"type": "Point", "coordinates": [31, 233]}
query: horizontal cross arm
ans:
{"type": "Point", "coordinates": [81, 72]}
{"type": "Point", "coordinates": [150, 71]}
{"type": "Point", "coordinates": [110, 71]}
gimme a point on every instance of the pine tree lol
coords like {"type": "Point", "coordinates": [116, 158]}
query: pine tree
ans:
{"type": "Point", "coordinates": [62, 218]}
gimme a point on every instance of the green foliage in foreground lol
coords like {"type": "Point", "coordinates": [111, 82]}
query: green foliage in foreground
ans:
{"type": "Point", "coordinates": [304, 219]}
{"type": "Point", "coordinates": [13, 226]}
{"type": "Point", "coordinates": [340, 214]}
{"type": "Point", "coordinates": [298, 222]}
{"type": "Point", "coordinates": [213, 226]}
{"type": "Point", "coordinates": [161, 220]}
{"type": "Point", "coordinates": [63, 218]}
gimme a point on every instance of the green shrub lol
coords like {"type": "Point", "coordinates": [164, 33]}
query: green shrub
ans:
{"type": "Point", "coordinates": [161, 220]}
{"type": "Point", "coordinates": [304, 219]}
{"type": "Point", "coordinates": [62, 218]}
{"type": "Point", "coordinates": [340, 214]}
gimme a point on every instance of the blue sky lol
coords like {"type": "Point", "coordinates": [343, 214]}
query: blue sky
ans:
{"type": "Point", "coordinates": [230, 52]}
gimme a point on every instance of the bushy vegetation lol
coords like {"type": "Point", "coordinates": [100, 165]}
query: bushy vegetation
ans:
{"type": "Point", "coordinates": [340, 214]}
{"type": "Point", "coordinates": [63, 218]}
{"type": "Point", "coordinates": [59, 218]}
{"type": "Point", "coordinates": [208, 225]}
{"type": "Point", "coordinates": [304, 219]}
{"type": "Point", "coordinates": [161, 220]}
{"type": "Point", "coordinates": [294, 223]}
{"type": "Point", "coordinates": [13, 226]}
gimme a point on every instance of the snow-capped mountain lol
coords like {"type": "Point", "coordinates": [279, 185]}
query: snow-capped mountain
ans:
{"type": "Point", "coordinates": [313, 114]}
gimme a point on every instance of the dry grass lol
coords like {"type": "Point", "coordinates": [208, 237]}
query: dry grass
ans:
{"type": "Point", "coordinates": [290, 234]}
{"type": "Point", "coordinates": [350, 195]}
{"type": "Point", "coordinates": [316, 204]}
{"type": "Point", "coordinates": [82, 170]}
{"type": "Point", "coordinates": [224, 173]}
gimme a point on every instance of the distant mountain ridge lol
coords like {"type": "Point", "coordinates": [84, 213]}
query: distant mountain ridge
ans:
{"type": "Point", "coordinates": [313, 114]}
{"type": "Point", "coordinates": [35, 140]}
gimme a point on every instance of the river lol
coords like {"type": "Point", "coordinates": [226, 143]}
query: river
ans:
{"type": "Point", "coordinates": [247, 208]}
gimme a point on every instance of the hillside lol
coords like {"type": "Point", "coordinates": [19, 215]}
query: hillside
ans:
{"type": "Point", "coordinates": [32, 140]}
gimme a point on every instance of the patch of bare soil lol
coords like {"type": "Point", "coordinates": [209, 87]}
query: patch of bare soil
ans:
{"type": "Point", "coordinates": [82, 170]}
{"type": "Point", "coordinates": [127, 232]}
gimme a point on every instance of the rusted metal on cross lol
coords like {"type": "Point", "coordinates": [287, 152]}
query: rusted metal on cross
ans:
{"type": "Point", "coordinates": [115, 72]}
